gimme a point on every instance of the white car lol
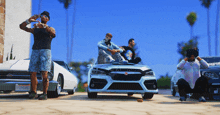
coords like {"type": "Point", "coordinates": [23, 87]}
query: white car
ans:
{"type": "Point", "coordinates": [14, 76]}
{"type": "Point", "coordinates": [121, 78]}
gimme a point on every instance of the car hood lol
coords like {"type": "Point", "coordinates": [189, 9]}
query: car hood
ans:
{"type": "Point", "coordinates": [213, 68]}
{"type": "Point", "coordinates": [15, 65]}
{"type": "Point", "coordinates": [128, 66]}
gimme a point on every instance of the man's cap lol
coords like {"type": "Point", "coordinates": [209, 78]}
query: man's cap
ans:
{"type": "Point", "coordinates": [46, 13]}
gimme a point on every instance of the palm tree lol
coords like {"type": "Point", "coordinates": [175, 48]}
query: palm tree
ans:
{"type": "Point", "coordinates": [191, 18]}
{"type": "Point", "coordinates": [72, 35]}
{"type": "Point", "coordinates": [39, 6]}
{"type": "Point", "coordinates": [66, 5]}
{"type": "Point", "coordinates": [216, 29]}
{"type": "Point", "coordinates": [207, 3]}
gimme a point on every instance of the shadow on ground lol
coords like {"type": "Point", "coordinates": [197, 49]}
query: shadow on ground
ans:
{"type": "Point", "coordinates": [103, 97]}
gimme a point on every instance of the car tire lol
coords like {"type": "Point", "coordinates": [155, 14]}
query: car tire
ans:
{"type": "Point", "coordinates": [130, 94]}
{"type": "Point", "coordinates": [173, 92]}
{"type": "Point", "coordinates": [56, 93]}
{"type": "Point", "coordinates": [147, 96]}
{"type": "Point", "coordinates": [71, 92]}
{"type": "Point", "coordinates": [92, 94]}
{"type": "Point", "coordinates": [7, 91]}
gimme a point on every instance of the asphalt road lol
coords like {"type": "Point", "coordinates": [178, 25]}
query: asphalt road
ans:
{"type": "Point", "coordinates": [79, 103]}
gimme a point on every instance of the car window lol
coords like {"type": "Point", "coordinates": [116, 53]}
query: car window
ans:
{"type": "Point", "coordinates": [61, 63]}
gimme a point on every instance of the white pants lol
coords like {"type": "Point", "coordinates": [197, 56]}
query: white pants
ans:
{"type": "Point", "coordinates": [105, 57]}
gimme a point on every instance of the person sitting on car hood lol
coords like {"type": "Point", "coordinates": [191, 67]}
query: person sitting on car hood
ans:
{"type": "Point", "coordinates": [109, 51]}
{"type": "Point", "coordinates": [128, 52]}
{"type": "Point", "coordinates": [191, 82]}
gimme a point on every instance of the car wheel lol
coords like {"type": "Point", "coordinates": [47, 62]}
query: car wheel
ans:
{"type": "Point", "coordinates": [173, 92]}
{"type": "Point", "coordinates": [7, 91]}
{"type": "Point", "coordinates": [54, 94]}
{"type": "Point", "coordinates": [147, 96]}
{"type": "Point", "coordinates": [130, 94]}
{"type": "Point", "coordinates": [92, 94]}
{"type": "Point", "coordinates": [71, 92]}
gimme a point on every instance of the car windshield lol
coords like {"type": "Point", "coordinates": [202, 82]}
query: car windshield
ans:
{"type": "Point", "coordinates": [212, 59]}
{"type": "Point", "coordinates": [60, 63]}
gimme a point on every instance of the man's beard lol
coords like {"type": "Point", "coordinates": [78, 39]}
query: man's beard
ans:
{"type": "Point", "coordinates": [107, 41]}
{"type": "Point", "coordinates": [43, 22]}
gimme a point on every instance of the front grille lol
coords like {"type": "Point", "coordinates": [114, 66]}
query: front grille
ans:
{"type": "Point", "coordinates": [125, 86]}
{"type": "Point", "coordinates": [14, 75]}
{"type": "Point", "coordinates": [129, 77]}
{"type": "Point", "coordinates": [97, 83]}
{"type": "Point", "coordinates": [127, 70]}
{"type": "Point", "coordinates": [150, 84]}
{"type": "Point", "coordinates": [17, 75]}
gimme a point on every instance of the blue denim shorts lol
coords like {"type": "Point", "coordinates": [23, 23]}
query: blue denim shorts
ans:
{"type": "Point", "coordinates": [40, 60]}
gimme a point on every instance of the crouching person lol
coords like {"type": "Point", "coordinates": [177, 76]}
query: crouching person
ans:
{"type": "Point", "coordinates": [192, 81]}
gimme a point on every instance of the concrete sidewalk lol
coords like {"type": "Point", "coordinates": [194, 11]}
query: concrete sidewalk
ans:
{"type": "Point", "coordinates": [18, 103]}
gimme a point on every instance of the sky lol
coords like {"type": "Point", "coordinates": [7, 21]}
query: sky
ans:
{"type": "Point", "coordinates": [156, 25]}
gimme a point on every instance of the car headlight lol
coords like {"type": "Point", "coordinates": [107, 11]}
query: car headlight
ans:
{"type": "Point", "coordinates": [149, 73]}
{"type": "Point", "coordinates": [210, 74]}
{"type": "Point", "coordinates": [98, 72]}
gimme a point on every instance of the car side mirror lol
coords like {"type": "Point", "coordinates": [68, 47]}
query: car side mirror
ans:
{"type": "Point", "coordinates": [71, 68]}
{"type": "Point", "coordinates": [89, 66]}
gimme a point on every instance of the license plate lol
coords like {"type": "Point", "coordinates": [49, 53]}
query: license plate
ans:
{"type": "Point", "coordinates": [216, 91]}
{"type": "Point", "coordinates": [22, 87]}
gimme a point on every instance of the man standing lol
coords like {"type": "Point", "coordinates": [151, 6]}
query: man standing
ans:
{"type": "Point", "coordinates": [191, 82]}
{"type": "Point", "coordinates": [128, 52]}
{"type": "Point", "coordinates": [108, 50]}
{"type": "Point", "coordinates": [41, 52]}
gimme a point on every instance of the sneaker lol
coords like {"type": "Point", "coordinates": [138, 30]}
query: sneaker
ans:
{"type": "Point", "coordinates": [202, 99]}
{"type": "Point", "coordinates": [182, 98]}
{"type": "Point", "coordinates": [33, 95]}
{"type": "Point", "coordinates": [43, 97]}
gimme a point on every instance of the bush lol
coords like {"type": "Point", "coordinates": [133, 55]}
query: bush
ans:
{"type": "Point", "coordinates": [164, 82]}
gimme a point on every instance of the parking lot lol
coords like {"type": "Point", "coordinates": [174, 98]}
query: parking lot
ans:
{"type": "Point", "coordinates": [162, 103]}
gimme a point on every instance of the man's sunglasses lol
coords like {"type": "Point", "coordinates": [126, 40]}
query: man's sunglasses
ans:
{"type": "Point", "coordinates": [44, 16]}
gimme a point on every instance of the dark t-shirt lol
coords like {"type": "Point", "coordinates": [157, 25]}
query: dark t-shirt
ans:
{"type": "Point", "coordinates": [42, 39]}
{"type": "Point", "coordinates": [128, 54]}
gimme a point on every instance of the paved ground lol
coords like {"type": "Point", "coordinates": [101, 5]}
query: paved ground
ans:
{"type": "Point", "coordinates": [161, 104]}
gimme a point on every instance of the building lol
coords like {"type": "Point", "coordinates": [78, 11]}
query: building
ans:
{"type": "Point", "coordinates": [13, 13]}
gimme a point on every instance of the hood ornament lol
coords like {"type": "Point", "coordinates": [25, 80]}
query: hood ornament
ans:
{"type": "Point", "coordinates": [9, 75]}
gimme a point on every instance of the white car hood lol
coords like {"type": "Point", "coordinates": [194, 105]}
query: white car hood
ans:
{"type": "Point", "coordinates": [110, 66]}
{"type": "Point", "coordinates": [14, 65]}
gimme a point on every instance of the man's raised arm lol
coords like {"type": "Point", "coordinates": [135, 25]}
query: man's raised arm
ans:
{"type": "Point", "coordinates": [28, 21]}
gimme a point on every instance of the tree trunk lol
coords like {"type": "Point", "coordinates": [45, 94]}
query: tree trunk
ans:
{"type": "Point", "coordinates": [216, 30]}
{"type": "Point", "coordinates": [39, 6]}
{"type": "Point", "coordinates": [191, 36]}
{"type": "Point", "coordinates": [72, 35]}
{"type": "Point", "coordinates": [208, 32]}
{"type": "Point", "coordinates": [67, 37]}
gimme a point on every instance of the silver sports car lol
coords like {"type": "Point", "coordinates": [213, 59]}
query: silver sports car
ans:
{"type": "Point", "coordinates": [121, 78]}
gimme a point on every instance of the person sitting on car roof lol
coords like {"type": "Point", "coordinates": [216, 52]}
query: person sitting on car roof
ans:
{"type": "Point", "coordinates": [109, 51]}
{"type": "Point", "coordinates": [191, 82]}
{"type": "Point", "coordinates": [128, 52]}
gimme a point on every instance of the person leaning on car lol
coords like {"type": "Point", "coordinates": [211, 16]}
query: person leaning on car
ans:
{"type": "Point", "coordinates": [190, 67]}
{"type": "Point", "coordinates": [41, 52]}
{"type": "Point", "coordinates": [128, 52]}
{"type": "Point", "coordinates": [108, 50]}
